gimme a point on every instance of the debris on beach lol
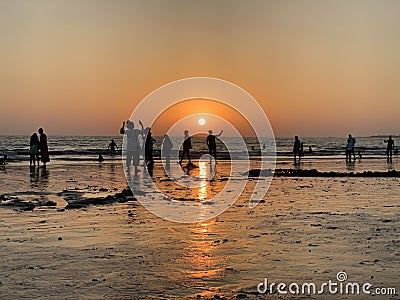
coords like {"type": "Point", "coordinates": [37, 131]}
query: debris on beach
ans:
{"type": "Point", "coordinates": [20, 204]}
{"type": "Point", "coordinates": [81, 202]}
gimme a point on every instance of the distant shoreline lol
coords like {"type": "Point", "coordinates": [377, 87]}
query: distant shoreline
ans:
{"type": "Point", "coordinates": [172, 136]}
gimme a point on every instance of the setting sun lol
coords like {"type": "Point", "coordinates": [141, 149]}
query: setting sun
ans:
{"type": "Point", "coordinates": [202, 122]}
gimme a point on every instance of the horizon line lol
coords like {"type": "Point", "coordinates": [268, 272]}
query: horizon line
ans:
{"type": "Point", "coordinates": [245, 136]}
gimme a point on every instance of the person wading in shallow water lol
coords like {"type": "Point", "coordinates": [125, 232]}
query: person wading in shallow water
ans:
{"type": "Point", "coordinates": [211, 143]}
{"type": "Point", "coordinates": [34, 150]}
{"type": "Point", "coordinates": [166, 150]}
{"type": "Point", "coordinates": [132, 144]}
{"type": "Point", "coordinates": [187, 145]}
{"type": "Point", "coordinates": [112, 146]}
{"type": "Point", "coordinates": [44, 150]}
{"type": "Point", "coordinates": [350, 148]}
{"type": "Point", "coordinates": [148, 150]}
{"type": "Point", "coordinates": [389, 148]}
{"type": "Point", "coordinates": [296, 148]}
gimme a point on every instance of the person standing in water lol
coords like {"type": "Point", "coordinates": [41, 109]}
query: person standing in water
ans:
{"type": "Point", "coordinates": [389, 149]}
{"type": "Point", "coordinates": [34, 149]}
{"type": "Point", "coordinates": [44, 150]}
{"type": "Point", "coordinates": [112, 146]}
{"type": "Point", "coordinates": [350, 148]}
{"type": "Point", "coordinates": [148, 150]}
{"type": "Point", "coordinates": [132, 144]}
{"type": "Point", "coordinates": [166, 150]}
{"type": "Point", "coordinates": [296, 148]}
{"type": "Point", "coordinates": [187, 145]}
{"type": "Point", "coordinates": [211, 143]}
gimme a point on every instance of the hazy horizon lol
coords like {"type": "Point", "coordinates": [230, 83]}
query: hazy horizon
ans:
{"type": "Point", "coordinates": [226, 136]}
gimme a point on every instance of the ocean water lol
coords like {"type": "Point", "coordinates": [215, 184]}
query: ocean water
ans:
{"type": "Point", "coordinates": [87, 148]}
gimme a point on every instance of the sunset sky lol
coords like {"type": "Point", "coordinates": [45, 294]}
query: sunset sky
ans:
{"type": "Point", "coordinates": [317, 68]}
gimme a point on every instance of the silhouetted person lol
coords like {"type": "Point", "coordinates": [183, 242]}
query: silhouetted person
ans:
{"type": "Point", "coordinates": [132, 144]}
{"type": "Point", "coordinates": [44, 150]}
{"type": "Point", "coordinates": [187, 145]}
{"type": "Point", "coordinates": [301, 149]}
{"type": "Point", "coordinates": [309, 150]}
{"type": "Point", "coordinates": [389, 148]}
{"type": "Point", "coordinates": [112, 146]}
{"type": "Point", "coordinates": [101, 158]}
{"type": "Point", "coordinates": [34, 149]}
{"type": "Point", "coordinates": [296, 148]}
{"type": "Point", "coordinates": [148, 150]}
{"type": "Point", "coordinates": [212, 144]}
{"type": "Point", "coordinates": [166, 150]}
{"type": "Point", "coordinates": [350, 148]}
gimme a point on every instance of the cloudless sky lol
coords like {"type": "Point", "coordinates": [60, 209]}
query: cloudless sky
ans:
{"type": "Point", "coordinates": [317, 68]}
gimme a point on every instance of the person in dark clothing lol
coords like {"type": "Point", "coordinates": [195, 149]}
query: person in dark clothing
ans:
{"type": "Point", "coordinates": [132, 144]}
{"type": "Point", "coordinates": [112, 146]}
{"type": "Point", "coordinates": [211, 143]}
{"type": "Point", "coordinates": [148, 150]}
{"type": "Point", "coordinates": [44, 150]}
{"type": "Point", "coordinates": [187, 145]}
{"type": "Point", "coordinates": [296, 148]}
{"type": "Point", "coordinates": [389, 148]}
{"type": "Point", "coordinates": [34, 149]}
{"type": "Point", "coordinates": [166, 150]}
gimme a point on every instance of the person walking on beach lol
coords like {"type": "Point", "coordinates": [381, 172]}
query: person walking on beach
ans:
{"type": "Point", "coordinates": [132, 144]}
{"type": "Point", "coordinates": [389, 148]}
{"type": "Point", "coordinates": [34, 149]}
{"type": "Point", "coordinates": [211, 143]}
{"type": "Point", "coordinates": [44, 150]}
{"type": "Point", "coordinates": [166, 150]}
{"type": "Point", "coordinates": [350, 148]}
{"type": "Point", "coordinates": [296, 148]}
{"type": "Point", "coordinates": [148, 150]}
{"type": "Point", "coordinates": [187, 145]}
{"type": "Point", "coordinates": [112, 146]}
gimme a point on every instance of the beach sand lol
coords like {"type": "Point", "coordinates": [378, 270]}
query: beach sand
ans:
{"type": "Point", "coordinates": [305, 230]}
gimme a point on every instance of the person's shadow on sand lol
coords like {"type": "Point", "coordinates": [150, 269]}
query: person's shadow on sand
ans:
{"type": "Point", "coordinates": [189, 167]}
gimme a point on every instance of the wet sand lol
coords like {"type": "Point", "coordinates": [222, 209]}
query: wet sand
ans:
{"type": "Point", "coordinates": [306, 229]}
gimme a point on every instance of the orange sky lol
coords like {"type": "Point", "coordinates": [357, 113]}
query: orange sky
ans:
{"type": "Point", "coordinates": [199, 107]}
{"type": "Point", "coordinates": [317, 68]}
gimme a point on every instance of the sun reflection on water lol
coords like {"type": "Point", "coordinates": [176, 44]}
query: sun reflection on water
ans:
{"type": "Point", "coordinates": [202, 263]}
{"type": "Point", "coordinates": [203, 183]}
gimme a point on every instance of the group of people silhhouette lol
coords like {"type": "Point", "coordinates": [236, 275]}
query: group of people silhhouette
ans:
{"type": "Point", "coordinates": [298, 149]}
{"type": "Point", "coordinates": [350, 149]}
{"type": "Point", "coordinates": [210, 141]}
{"type": "Point", "coordinates": [132, 143]}
{"type": "Point", "coordinates": [39, 148]}
{"type": "Point", "coordinates": [133, 147]}
{"type": "Point", "coordinates": [351, 141]}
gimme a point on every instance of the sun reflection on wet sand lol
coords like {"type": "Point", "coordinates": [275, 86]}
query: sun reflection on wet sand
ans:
{"type": "Point", "coordinates": [203, 266]}
{"type": "Point", "coordinates": [203, 183]}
